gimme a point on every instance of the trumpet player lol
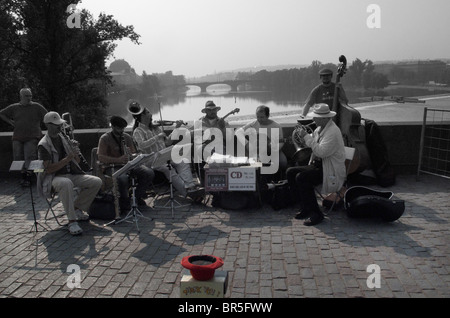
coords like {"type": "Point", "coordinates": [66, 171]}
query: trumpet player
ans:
{"type": "Point", "coordinates": [115, 149]}
{"type": "Point", "coordinates": [62, 174]}
{"type": "Point", "coordinates": [327, 164]}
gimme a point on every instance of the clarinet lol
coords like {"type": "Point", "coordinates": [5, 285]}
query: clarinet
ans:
{"type": "Point", "coordinates": [126, 151]}
{"type": "Point", "coordinates": [115, 193]}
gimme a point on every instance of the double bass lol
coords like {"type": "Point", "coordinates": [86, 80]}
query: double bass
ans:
{"type": "Point", "coordinates": [348, 120]}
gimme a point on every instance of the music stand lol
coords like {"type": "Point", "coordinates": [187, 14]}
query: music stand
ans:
{"type": "Point", "coordinates": [164, 157]}
{"type": "Point", "coordinates": [134, 213]}
{"type": "Point", "coordinates": [33, 167]}
{"type": "Point", "coordinates": [171, 200]}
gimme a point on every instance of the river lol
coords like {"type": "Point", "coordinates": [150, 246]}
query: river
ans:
{"type": "Point", "coordinates": [188, 106]}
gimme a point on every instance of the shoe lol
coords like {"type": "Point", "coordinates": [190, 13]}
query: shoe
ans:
{"type": "Point", "coordinates": [303, 214]}
{"type": "Point", "coordinates": [194, 193]}
{"type": "Point", "coordinates": [315, 219]}
{"type": "Point", "coordinates": [75, 229]}
{"type": "Point", "coordinates": [81, 216]}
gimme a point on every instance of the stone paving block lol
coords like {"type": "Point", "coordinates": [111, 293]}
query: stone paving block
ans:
{"type": "Point", "coordinates": [266, 254]}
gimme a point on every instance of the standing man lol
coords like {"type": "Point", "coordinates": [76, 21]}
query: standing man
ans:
{"type": "Point", "coordinates": [116, 148]}
{"type": "Point", "coordinates": [62, 174]}
{"type": "Point", "coordinates": [324, 93]}
{"type": "Point", "coordinates": [26, 118]}
{"type": "Point", "coordinates": [327, 164]}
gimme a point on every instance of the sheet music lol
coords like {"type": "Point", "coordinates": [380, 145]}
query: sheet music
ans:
{"type": "Point", "coordinates": [17, 166]}
{"type": "Point", "coordinates": [139, 160]}
{"type": "Point", "coordinates": [36, 166]}
{"type": "Point", "coordinates": [162, 157]}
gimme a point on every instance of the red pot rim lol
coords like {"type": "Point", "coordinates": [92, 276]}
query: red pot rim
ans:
{"type": "Point", "coordinates": [202, 272]}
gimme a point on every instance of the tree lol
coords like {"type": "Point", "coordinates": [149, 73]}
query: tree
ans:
{"type": "Point", "coordinates": [65, 67]}
{"type": "Point", "coordinates": [120, 66]}
{"type": "Point", "coordinates": [355, 72]}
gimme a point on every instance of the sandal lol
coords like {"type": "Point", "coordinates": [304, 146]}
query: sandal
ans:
{"type": "Point", "coordinates": [75, 229]}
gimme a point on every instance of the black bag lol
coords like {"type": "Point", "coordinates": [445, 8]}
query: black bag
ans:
{"type": "Point", "coordinates": [280, 195]}
{"type": "Point", "coordinates": [378, 154]}
{"type": "Point", "coordinates": [103, 208]}
{"type": "Point", "coordinates": [233, 200]}
{"type": "Point", "coordinates": [362, 202]}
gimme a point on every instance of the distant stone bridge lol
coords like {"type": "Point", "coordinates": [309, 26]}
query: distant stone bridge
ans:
{"type": "Point", "coordinates": [232, 83]}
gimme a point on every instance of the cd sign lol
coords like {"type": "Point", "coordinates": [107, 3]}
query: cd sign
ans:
{"type": "Point", "coordinates": [236, 175]}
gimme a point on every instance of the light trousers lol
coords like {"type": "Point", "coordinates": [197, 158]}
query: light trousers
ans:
{"type": "Point", "coordinates": [182, 178]}
{"type": "Point", "coordinates": [88, 188]}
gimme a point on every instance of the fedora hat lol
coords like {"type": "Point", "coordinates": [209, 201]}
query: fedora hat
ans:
{"type": "Point", "coordinates": [322, 111]}
{"type": "Point", "coordinates": [53, 118]}
{"type": "Point", "coordinates": [210, 106]}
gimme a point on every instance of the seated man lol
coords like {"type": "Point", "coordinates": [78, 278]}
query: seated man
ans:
{"type": "Point", "coordinates": [263, 127]}
{"type": "Point", "coordinates": [151, 139]}
{"type": "Point", "coordinates": [115, 149]}
{"type": "Point", "coordinates": [62, 173]}
{"type": "Point", "coordinates": [210, 120]}
{"type": "Point", "coordinates": [327, 164]}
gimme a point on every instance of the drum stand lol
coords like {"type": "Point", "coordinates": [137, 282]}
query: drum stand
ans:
{"type": "Point", "coordinates": [170, 204]}
{"type": "Point", "coordinates": [134, 213]}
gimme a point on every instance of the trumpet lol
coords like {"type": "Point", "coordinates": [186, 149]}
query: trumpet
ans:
{"type": "Point", "coordinates": [298, 140]}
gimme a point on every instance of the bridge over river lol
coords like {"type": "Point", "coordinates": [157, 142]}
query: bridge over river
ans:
{"type": "Point", "coordinates": [234, 84]}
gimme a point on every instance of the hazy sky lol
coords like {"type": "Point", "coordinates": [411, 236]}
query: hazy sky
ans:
{"type": "Point", "coordinates": [199, 37]}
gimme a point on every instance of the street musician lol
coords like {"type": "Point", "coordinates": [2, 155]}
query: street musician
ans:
{"type": "Point", "coordinates": [263, 127]}
{"type": "Point", "coordinates": [115, 149]}
{"type": "Point", "coordinates": [327, 164]}
{"type": "Point", "coordinates": [151, 139]}
{"type": "Point", "coordinates": [62, 173]}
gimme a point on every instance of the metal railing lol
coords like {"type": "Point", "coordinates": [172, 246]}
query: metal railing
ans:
{"type": "Point", "coordinates": [434, 157]}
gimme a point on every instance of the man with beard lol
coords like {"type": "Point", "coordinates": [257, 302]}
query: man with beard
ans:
{"type": "Point", "coordinates": [324, 93]}
{"type": "Point", "coordinates": [115, 148]}
{"type": "Point", "coordinates": [152, 139]}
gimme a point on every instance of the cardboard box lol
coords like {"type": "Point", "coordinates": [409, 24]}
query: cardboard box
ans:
{"type": "Point", "coordinates": [214, 288]}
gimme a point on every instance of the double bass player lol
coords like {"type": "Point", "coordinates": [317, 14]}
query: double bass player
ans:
{"type": "Point", "coordinates": [324, 92]}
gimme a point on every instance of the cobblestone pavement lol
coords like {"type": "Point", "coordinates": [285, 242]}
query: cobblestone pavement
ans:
{"type": "Point", "coordinates": [267, 253]}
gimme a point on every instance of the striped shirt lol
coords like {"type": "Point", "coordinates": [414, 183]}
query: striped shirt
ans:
{"type": "Point", "coordinates": [147, 139]}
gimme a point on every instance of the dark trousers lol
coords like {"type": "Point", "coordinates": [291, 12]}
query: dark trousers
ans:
{"type": "Point", "coordinates": [302, 181]}
{"type": "Point", "coordinates": [144, 178]}
{"type": "Point", "coordinates": [306, 181]}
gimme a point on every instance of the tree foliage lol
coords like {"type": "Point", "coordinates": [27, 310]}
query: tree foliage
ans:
{"type": "Point", "coordinates": [360, 74]}
{"type": "Point", "coordinates": [64, 67]}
